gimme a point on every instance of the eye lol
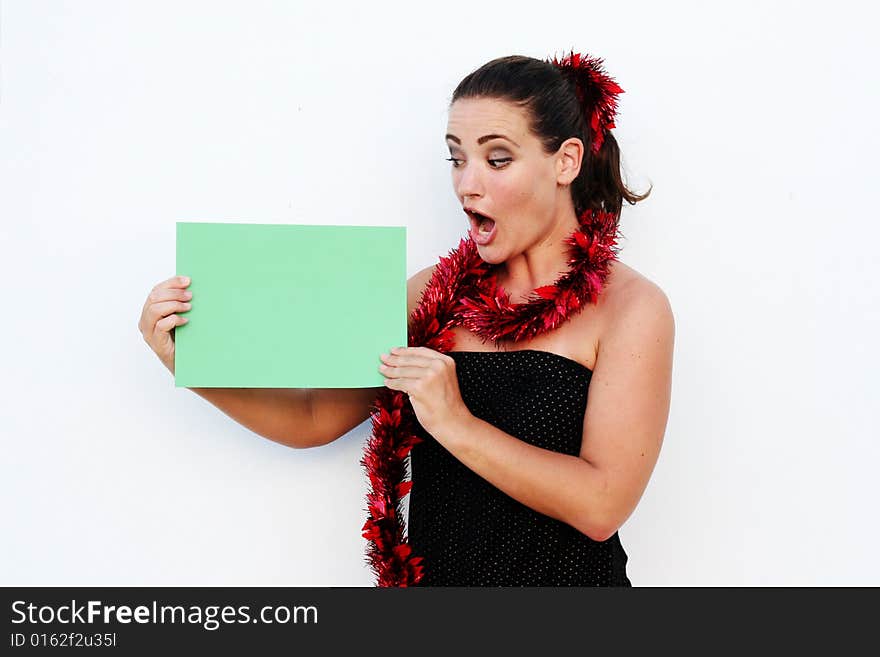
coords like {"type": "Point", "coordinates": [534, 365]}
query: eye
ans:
{"type": "Point", "coordinates": [455, 161]}
{"type": "Point", "coordinates": [500, 162]}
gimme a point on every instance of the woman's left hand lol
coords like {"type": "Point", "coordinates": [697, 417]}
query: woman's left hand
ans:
{"type": "Point", "coordinates": [428, 378]}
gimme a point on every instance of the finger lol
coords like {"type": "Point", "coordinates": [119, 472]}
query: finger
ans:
{"type": "Point", "coordinates": [405, 358]}
{"type": "Point", "coordinates": [175, 282]}
{"type": "Point", "coordinates": [422, 352]}
{"type": "Point", "coordinates": [161, 303]}
{"type": "Point", "coordinates": [168, 313]}
{"type": "Point", "coordinates": [414, 367]}
{"type": "Point", "coordinates": [159, 310]}
{"type": "Point", "coordinates": [165, 324]}
{"type": "Point", "coordinates": [158, 295]}
{"type": "Point", "coordinates": [173, 288]}
{"type": "Point", "coordinates": [402, 372]}
{"type": "Point", "coordinates": [404, 385]}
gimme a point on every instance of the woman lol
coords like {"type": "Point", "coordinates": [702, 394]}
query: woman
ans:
{"type": "Point", "coordinates": [515, 479]}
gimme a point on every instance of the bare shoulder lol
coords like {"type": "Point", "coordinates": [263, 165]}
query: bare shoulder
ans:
{"type": "Point", "coordinates": [416, 285]}
{"type": "Point", "coordinates": [631, 298]}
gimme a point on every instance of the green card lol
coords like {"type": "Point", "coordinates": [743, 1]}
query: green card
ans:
{"type": "Point", "coordinates": [289, 306]}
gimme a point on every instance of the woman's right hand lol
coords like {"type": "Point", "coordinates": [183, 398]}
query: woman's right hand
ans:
{"type": "Point", "coordinates": [159, 316]}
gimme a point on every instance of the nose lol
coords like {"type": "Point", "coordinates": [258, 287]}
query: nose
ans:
{"type": "Point", "coordinates": [468, 181]}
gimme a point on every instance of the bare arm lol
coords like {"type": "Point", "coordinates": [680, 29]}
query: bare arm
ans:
{"type": "Point", "coordinates": [291, 416]}
{"type": "Point", "coordinates": [296, 417]}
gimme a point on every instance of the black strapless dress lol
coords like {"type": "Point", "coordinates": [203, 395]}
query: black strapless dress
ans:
{"type": "Point", "coordinates": [468, 531]}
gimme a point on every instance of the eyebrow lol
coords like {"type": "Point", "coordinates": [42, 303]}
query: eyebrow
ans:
{"type": "Point", "coordinates": [482, 140]}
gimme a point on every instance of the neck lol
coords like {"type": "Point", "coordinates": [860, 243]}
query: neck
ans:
{"type": "Point", "coordinates": [541, 263]}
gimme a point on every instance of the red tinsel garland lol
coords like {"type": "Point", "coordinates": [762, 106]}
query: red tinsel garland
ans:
{"type": "Point", "coordinates": [463, 291]}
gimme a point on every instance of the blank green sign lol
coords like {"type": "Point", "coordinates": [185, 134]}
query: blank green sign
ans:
{"type": "Point", "coordinates": [289, 306]}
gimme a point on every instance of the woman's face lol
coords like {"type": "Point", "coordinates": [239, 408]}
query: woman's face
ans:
{"type": "Point", "coordinates": [506, 183]}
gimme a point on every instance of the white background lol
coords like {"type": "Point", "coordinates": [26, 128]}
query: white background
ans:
{"type": "Point", "coordinates": [755, 123]}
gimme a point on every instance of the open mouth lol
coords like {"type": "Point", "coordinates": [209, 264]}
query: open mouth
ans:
{"type": "Point", "coordinates": [483, 227]}
{"type": "Point", "coordinates": [480, 223]}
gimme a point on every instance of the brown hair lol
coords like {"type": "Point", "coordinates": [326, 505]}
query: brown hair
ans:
{"type": "Point", "coordinates": [556, 115]}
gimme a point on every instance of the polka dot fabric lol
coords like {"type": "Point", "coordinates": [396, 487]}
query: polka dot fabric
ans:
{"type": "Point", "coordinates": [468, 531]}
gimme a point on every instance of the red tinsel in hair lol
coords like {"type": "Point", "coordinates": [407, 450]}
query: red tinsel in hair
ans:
{"type": "Point", "coordinates": [596, 91]}
{"type": "Point", "coordinates": [463, 292]}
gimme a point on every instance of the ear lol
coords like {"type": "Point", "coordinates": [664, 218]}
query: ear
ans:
{"type": "Point", "coordinates": [568, 160]}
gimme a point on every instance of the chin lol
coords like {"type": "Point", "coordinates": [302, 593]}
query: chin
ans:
{"type": "Point", "coordinates": [490, 254]}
